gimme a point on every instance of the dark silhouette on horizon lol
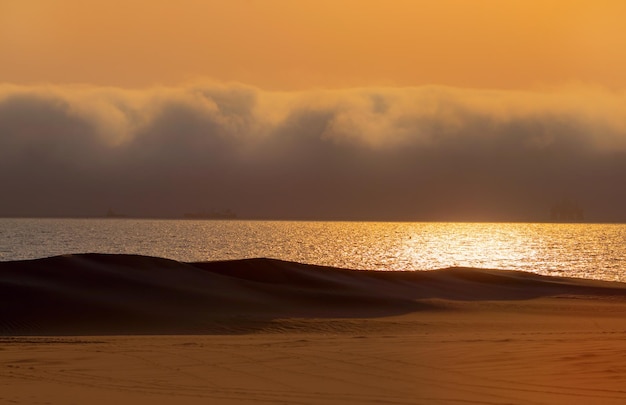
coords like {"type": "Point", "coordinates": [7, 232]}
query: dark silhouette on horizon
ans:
{"type": "Point", "coordinates": [225, 214]}
{"type": "Point", "coordinates": [567, 210]}
{"type": "Point", "coordinates": [112, 214]}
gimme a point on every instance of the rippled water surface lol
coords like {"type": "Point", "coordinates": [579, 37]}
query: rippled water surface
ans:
{"type": "Point", "coordinates": [576, 250]}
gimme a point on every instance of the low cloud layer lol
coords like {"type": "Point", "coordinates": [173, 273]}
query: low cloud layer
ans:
{"type": "Point", "coordinates": [427, 153]}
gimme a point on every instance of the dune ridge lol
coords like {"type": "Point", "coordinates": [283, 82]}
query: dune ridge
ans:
{"type": "Point", "coordinates": [130, 294]}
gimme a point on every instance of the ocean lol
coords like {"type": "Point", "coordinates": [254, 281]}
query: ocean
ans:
{"type": "Point", "coordinates": [596, 251]}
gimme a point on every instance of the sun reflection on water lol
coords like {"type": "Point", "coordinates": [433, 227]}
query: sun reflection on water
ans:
{"type": "Point", "coordinates": [574, 250]}
{"type": "Point", "coordinates": [476, 245]}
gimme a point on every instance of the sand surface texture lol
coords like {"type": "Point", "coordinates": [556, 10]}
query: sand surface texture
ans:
{"type": "Point", "coordinates": [129, 329]}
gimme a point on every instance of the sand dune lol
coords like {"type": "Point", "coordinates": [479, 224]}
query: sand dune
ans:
{"type": "Point", "coordinates": [268, 331]}
{"type": "Point", "coordinates": [105, 294]}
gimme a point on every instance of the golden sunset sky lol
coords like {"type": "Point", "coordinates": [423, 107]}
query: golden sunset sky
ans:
{"type": "Point", "coordinates": [303, 44]}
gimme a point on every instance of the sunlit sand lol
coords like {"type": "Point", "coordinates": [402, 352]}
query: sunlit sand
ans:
{"type": "Point", "coordinates": [130, 329]}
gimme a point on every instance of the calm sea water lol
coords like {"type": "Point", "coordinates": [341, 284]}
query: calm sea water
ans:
{"type": "Point", "coordinates": [575, 250]}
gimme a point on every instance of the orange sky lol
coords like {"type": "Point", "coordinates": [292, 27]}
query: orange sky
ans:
{"type": "Point", "coordinates": [302, 44]}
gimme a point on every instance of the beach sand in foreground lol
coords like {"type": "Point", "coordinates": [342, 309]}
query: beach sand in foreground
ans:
{"type": "Point", "coordinates": [263, 331]}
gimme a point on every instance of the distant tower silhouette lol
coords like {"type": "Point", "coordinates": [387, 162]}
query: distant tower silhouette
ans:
{"type": "Point", "coordinates": [567, 211]}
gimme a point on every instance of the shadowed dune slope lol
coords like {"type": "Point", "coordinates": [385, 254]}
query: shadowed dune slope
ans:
{"type": "Point", "coordinates": [117, 294]}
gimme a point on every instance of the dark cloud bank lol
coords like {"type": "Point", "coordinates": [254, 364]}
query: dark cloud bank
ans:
{"type": "Point", "coordinates": [430, 153]}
